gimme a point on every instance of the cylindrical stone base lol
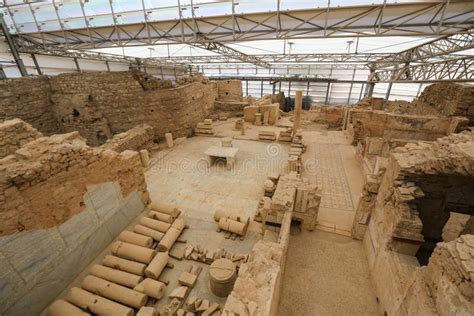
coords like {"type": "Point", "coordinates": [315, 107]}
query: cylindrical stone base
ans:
{"type": "Point", "coordinates": [222, 275]}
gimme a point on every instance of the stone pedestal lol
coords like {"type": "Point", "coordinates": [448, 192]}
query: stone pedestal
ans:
{"type": "Point", "coordinates": [222, 275]}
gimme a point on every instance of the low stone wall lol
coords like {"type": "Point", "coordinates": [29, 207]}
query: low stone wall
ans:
{"type": "Point", "coordinates": [371, 123]}
{"type": "Point", "coordinates": [14, 134]}
{"type": "Point", "coordinates": [137, 138]}
{"type": "Point", "coordinates": [332, 116]}
{"type": "Point", "coordinates": [257, 288]}
{"type": "Point", "coordinates": [62, 203]}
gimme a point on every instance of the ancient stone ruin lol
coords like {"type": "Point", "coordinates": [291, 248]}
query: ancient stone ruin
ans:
{"type": "Point", "coordinates": [124, 194]}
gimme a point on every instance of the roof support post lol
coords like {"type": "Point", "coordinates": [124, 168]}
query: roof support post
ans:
{"type": "Point", "coordinates": [77, 64]}
{"type": "Point", "coordinates": [2, 73]}
{"type": "Point", "coordinates": [387, 95]}
{"type": "Point", "coordinates": [38, 69]}
{"type": "Point", "coordinates": [13, 50]}
{"type": "Point", "coordinates": [327, 93]}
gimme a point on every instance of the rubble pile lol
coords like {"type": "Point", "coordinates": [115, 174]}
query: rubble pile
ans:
{"type": "Point", "coordinates": [200, 254]}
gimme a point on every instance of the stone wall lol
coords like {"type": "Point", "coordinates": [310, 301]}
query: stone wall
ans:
{"type": "Point", "coordinates": [137, 138]}
{"type": "Point", "coordinates": [14, 134]}
{"type": "Point", "coordinates": [229, 90]}
{"type": "Point", "coordinates": [422, 184]}
{"type": "Point", "coordinates": [99, 105]}
{"type": "Point", "coordinates": [28, 99]}
{"type": "Point", "coordinates": [258, 284]}
{"type": "Point", "coordinates": [61, 204]}
{"type": "Point", "coordinates": [372, 123]}
{"type": "Point", "coordinates": [440, 99]}
{"type": "Point", "coordinates": [115, 103]}
{"type": "Point", "coordinates": [446, 286]}
{"type": "Point", "coordinates": [43, 183]}
{"type": "Point", "coordinates": [332, 116]}
{"type": "Point", "coordinates": [230, 102]}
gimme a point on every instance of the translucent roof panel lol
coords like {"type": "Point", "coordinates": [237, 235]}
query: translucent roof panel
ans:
{"type": "Point", "coordinates": [45, 14]}
{"type": "Point", "coordinates": [329, 46]}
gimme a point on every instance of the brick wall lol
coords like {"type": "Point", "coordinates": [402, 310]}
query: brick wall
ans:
{"type": "Point", "coordinates": [99, 105]}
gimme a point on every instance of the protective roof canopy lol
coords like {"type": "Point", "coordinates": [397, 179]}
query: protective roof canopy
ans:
{"type": "Point", "coordinates": [103, 23]}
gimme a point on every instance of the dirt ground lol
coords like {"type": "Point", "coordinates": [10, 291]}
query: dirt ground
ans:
{"type": "Point", "coordinates": [326, 274]}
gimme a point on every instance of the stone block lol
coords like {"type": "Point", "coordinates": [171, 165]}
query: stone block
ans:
{"type": "Point", "coordinates": [249, 113]}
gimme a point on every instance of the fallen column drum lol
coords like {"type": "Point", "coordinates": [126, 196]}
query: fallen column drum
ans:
{"type": "Point", "coordinates": [232, 226]}
{"type": "Point", "coordinates": [156, 235]}
{"type": "Point", "coordinates": [157, 265]}
{"type": "Point", "coordinates": [165, 208]}
{"type": "Point", "coordinates": [136, 239]}
{"type": "Point", "coordinates": [155, 224]}
{"type": "Point", "coordinates": [116, 276]}
{"type": "Point", "coordinates": [147, 311]}
{"type": "Point", "coordinates": [152, 288]}
{"type": "Point", "coordinates": [96, 304]}
{"type": "Point", "coordinates": [172, 235]}
{"type": "Point", "coordinates": [124, 265]}
{"type": "Point", "coordinates": [133, 252]}
{"type": "Point", "coordinates": [62, 308]}
{"type": "Point", "coordinates": [114, 291]}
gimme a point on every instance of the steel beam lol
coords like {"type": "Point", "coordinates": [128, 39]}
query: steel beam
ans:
{"type": "Point", "coordinates": [454, 70]}
{"type": "Point", "coordinates": [421, 18]}
{"type": "Point", "coordinates": [280, 58]}
{"type": "Point", "coordinates": [37, 66]}
{"type": "Point", "coordinates": [437, 49]}
{"type": "Point", "coordinates": [205, 43]}
{"type": "Point", "coordinates": [148, 62]}
{"type": "Point", "coordinates": [285, 78]}
{"type": "Point", "coordinates": [13, 49]}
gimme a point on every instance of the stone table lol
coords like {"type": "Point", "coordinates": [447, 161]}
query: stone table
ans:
{"type": "Point", "coordinates": [228, 153]}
